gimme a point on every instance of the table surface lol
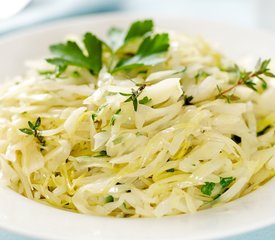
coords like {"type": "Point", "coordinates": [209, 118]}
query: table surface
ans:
{"type": "Point", "coordinates": [246, 13]}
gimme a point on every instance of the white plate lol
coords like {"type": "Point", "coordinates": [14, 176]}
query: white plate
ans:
{"type": "Point", "coordinates": [24, 216]}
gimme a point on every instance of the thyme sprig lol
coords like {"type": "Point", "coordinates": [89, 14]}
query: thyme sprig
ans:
{"type": "Point", "coordinates": [133, 97]}
{"type": "Point", "coordinates": [246, 78]}
{"type": "Point", "coordinates": [33, 130]}
{"type": "Point", "coordinates": [186, 99]}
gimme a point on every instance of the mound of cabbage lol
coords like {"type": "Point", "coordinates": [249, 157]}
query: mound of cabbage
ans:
{"type": "Point", "coordinates": [140, 146]}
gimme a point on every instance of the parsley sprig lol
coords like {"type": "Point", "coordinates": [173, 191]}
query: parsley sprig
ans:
{"type": "Point", "coordinates": [150, 50]}
{"type": "Point", "coordinates": [33, 130]}
{"type": "Point", "coordinates": [208, 187]}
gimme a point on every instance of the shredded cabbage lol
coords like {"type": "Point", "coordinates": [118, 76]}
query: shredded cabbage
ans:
{"type": "Point", "coordinates": [102, 157]}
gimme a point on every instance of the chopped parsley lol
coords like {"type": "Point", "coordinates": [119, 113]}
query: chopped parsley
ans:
{"type": "Point", "coordinates": [207, 188]}
{"type": "Point", "coordinates": [109, 199]}
{"type": "Point", "coordinates": [94, 116]}
{"type": "Point", "coordinates": [226, 181]}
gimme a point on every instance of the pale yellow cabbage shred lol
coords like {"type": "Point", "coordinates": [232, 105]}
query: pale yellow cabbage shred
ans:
{"type": "Point", "coordinates": [193, 140]}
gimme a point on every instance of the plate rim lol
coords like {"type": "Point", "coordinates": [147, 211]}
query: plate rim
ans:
{"type": "Point", "coordinates": [102, 17]}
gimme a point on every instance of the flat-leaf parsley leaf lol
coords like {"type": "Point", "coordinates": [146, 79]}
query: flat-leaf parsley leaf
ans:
{"type": "Point", "coordinates": [150, 52]}
{"type": "Point", "coordinates": [70, 54]}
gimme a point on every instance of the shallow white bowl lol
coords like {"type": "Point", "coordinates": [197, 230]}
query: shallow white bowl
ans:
{"type": "Point", "coordinates": [27, 217]}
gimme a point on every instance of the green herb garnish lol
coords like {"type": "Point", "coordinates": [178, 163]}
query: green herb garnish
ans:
{"type": "Point", "coordinates": [186, 99]}
{"type": "Point", "coordinates": [118, 38]}
{"type": "Point", "coordinates": [133, 97]}
{"type": "Point", "coordinates": [228, 98]}
{"type": "Point", "coordinates": [102, 153]}
{"type": "Point", "coordinates": [170, 170]}
{"type": "Point", "coordinates": [226, 181]}
{"type": "Point", "coordinates": [109, 199]}
{"type": "Point", "coordinates": [150, 52]}
{"type": "Point", "coordinates": [139, 29]}
{"type": "Point", "coordinates": [70, 54]}
{"type": "Point", "coordinates": [207, 188]}
{"type": "Point", "coordinates": [33, 130]}
{"type": "Point", "coordinates": [94, 115]}
{"type": "Point", "coordinates": [145, 100]}
{"type": "Point", "coordinates": [200, 76]}
{"type": "Point", "coordinates": [246, 78]}
{"type": "Point", "coordinates": [113, 118]}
